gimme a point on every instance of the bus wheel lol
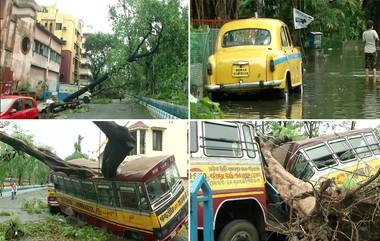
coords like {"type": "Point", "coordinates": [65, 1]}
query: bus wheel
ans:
{"type": "Point", "coordinates": [239, 230]}
{"type": "Point", "coordinates": [53, 210]}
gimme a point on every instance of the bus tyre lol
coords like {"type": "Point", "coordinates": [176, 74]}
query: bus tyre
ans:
{"type": "Point", "coordinates": [239, 230]}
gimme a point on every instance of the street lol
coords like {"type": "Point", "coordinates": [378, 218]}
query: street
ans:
{"type": "Point", "coordinates": [126, 109]}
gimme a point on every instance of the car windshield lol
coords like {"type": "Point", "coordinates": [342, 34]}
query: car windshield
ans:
{"type": "Point", "coordinates": [243, 37]}
{"type": "Point", "coordinates": [163, 183]}
{"type": "Point", "coordinates": [5, 103]}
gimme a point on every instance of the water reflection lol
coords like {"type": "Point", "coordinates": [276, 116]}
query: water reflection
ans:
{"type": "Point", "coordinates": [335, 87]}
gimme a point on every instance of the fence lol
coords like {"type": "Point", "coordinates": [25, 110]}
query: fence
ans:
{"type": "Point", "coordinates": [163, 110]}
{"type": "Point", "coordinates": [202, 45]}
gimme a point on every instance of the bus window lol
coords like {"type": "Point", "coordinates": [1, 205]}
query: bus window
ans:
{"type": "Point", "coordinates": [302, 168]}
{"type": "Point", "coordinates": [373, 144]}
{"type": "Point", "coordinates": [105, 195]}
{"type": "Point", "coordinates": [59, 184]}
{"type": "Point", "coordinates": [222, 140]}
{"type": "Point", "coordinates": [343, 150]}
{"type": "Point", "coordinates": [128, 196]}
{"type": "Point", "coordinates": [321, 156]}
{"type": "Point", "coordinates": [249, 141]}
{"type": "Point", "coordinates": [89, 192]}
{"type": "Point", "coordinates": [143, 201]}
{"type": "Point", "coordinates": [193, 137]}
{"type": "Point", "coordinates": [67, 185]}
{"type": "Point", "coordinates": [360, 147]}
{"type": "Point", "coordinates": [76, 187]}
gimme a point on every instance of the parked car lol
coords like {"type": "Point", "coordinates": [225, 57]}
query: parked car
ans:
{"type": "Point", "coordinates": [18, 107]}
{"type": "Point", "coordinates": [255, 53]}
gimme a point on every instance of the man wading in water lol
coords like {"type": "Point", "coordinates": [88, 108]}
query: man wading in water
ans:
{"type": "Point", "coordinates": [370, 37]}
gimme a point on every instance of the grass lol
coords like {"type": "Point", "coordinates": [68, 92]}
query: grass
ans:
{"type": "Point", "coordinates": [33, 206]}
{"type": "Point", "coordinates": [5, 214]}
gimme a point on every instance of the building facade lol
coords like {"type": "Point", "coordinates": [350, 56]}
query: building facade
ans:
{"type": "Point", "coordinates": [85, 65]}
{"type": "Point", "coordinates": [29, 54]}
{"type": "Point", "coordinates": [69, 30]}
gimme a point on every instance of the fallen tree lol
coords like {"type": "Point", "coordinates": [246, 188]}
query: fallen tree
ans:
{"type": "Point", "coordinates": [322, 213]}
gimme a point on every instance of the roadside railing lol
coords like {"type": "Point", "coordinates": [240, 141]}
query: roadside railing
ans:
{"type": "Point", "coordinates": [163, 110]}
{"type": "Point", "coordinates": [200, 184]}
{"type": "Point", "coordinates": [8, 189]}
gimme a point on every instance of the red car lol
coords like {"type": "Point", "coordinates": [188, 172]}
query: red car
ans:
{"type": "Point", "coordinates": [18, 107]}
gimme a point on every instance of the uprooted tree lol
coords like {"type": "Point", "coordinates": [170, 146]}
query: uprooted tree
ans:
{"type": "Point", "coordinates": [120, 143]}
{"type": "Point", "coordinates": [321, 213]}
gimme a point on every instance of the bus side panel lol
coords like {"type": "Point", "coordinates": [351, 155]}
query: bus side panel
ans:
{"type": "Point", "coordinates": [256, 194]}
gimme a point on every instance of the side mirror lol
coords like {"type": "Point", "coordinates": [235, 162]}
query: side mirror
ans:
{"type": "Point", "coordinates": [12, 111]}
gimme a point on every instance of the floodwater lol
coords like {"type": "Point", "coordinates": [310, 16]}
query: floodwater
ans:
{"type": "Point", "coordinates": [335, 87]}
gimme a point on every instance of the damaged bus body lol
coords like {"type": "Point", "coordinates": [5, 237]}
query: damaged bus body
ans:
{"type": "Point", "coordinates": [146, 200]}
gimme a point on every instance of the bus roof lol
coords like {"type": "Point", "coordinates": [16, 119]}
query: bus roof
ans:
{"type": "Point", "coordinates": [143, 168]}
{"type": "Point", "coordinates": [294, 146]}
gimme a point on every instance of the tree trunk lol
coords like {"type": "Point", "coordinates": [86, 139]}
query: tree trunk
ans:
{"type": "Point", "coordinates": [48, 158]}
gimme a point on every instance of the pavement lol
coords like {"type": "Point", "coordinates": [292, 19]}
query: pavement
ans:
{"type": "Point", "coordinates": [126, 109]}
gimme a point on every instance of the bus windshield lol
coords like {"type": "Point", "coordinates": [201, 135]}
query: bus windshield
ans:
{"type": "Point", "coordinates": [163, 184]}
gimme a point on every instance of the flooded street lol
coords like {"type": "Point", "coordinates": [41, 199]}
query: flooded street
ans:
{"type": "Point", "coordinates": [334, 88]}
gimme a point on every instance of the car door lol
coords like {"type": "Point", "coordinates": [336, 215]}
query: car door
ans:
{"type": "Point", "coordinates": [30, 112]}
{"type": "Point", "coordinates": [18, 106]}
{"type": "Point", "coordinates": [286, 48]}
{"type": "Point", "coordinates": [293, 58]}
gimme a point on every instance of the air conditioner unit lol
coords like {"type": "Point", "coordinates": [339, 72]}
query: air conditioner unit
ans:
{"type": "Point", "coordinates": [64, 28]}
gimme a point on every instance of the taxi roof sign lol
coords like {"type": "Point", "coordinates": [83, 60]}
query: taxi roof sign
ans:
{"type": "Point", "coordinates": [301, 19]}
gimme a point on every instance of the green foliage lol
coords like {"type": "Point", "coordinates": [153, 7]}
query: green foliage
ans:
{"type": "Point", "coordinates": [19, 165]}
{"type": "Point", "coordinates": [162, 75]}
{"type": "Point", "coordinates": [25, 87]}
{"type": "Point", "coordinates": [58, 228]}
{"type": "Point", "coordinates": [206, 109]}
{"type": "Point", "coordinates": [5, 213]}
{"type": "Point", "coordinates": [77, 151]}
{"type": "Point", "coordinates": [290, 131]}
{"type": "Point", "coordinates": [33, 206]}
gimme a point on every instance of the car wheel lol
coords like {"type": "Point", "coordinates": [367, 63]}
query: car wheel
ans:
{"type": "Point", "coordinates": [86, 100]}
{"type": "Point", "coordinates": [239, 230]}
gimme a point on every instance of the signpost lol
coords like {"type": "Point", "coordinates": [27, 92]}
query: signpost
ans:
{"type": "Point", "coordinates": [301, 19]}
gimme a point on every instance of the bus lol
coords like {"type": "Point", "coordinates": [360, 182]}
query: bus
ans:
{"type": "Point", "coordinates": [147, 199]}
{"type": "Point", "coordinates": [245, 204]}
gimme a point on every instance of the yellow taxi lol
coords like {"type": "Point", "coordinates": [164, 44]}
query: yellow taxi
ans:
{"type": "Point", "coordinates": [255, 53]}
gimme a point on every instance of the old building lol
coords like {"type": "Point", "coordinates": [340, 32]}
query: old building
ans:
{"type": "Point", "coordinates": [69, 30]}
{"type": "Point", "coordinates": [29, 54]}
{"type": "Point", "coordinates": [85, 65]}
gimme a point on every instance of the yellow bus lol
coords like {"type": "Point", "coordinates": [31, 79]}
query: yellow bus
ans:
{"type": "Point", "coordinates": [145, 201]}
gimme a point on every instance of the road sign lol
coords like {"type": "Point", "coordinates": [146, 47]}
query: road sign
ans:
{"type": "Point", "coordinates": [301, 19]}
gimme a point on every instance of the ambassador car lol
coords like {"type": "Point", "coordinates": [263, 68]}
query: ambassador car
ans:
{"type": "Point", "coordinates": [254, 54]}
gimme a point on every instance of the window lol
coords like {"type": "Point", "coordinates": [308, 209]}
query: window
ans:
{"type": "Point", "coordinates": [40, 48]}
{"type": "Point", "coordinates": [128, 196]}
{"type": "Point", "coordinates": [360, 147]}
{"type": "Point", "coordinates": [25, 45]}
{"type": "Point", "coordinates": [58, 183]}
{"type": "Point", "coordinates": [289, 36]}
{"type": "Point", "coordinates": [249, 141]}
{"type": "Point", "coordinates": [134, 150]}
{"type": "Point", "coordinates": [142, 141]}
{"type": "Point", "coordinates": [68, 186]}
{"type": "Point", "coordinates": [58, 26]}
{"type": "Point", "coordinates": [28, 104]}
{"type": "Point", "coordinates": [76, 187]}
{"type": "Point", "coordinates": [321, 156]}
{"type": "Point", "coordinates": [143, 200]}
{"type": "Point", "coordinates": [105, 195]}
{"type": "Point", "coordinates": [222, 140]}
{"type": "Point", "coordinates": [302, 168]}
{"type": "Point", "coordinates": [343, 150]}
{"type": "Point", "coordinates": [193, 137]}
{"type": "Point", "coordinates": [17, 105]}
{"type": "Point", "coordinates": [157, 140]}
{"type": "Point", "coordinates": [284, 40]}
{"type": "Point", "coordinates": [246, 37]}
{"type": "Point", "coordinates": [373, 144]}
{"type": "Point", "coordinates": [89, 192]}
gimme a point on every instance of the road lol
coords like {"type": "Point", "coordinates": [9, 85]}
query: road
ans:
{"type": "Point", "coordinates": [14, 206]}
{"type": "Point", "coordinates": [125, 109]}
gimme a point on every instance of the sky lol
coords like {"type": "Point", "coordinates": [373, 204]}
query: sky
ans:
{"type": "Point", "coordinates": [92, 12]}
